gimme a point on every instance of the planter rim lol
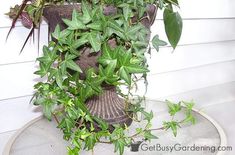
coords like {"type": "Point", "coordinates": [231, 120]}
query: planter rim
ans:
{"type": "Point", "coordinates": [151, 10]}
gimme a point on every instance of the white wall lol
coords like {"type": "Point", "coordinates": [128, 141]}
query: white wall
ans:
{"type": "Point", "coordinates": [16, 72]}
{"type": "Point", "coordinates": [205, 58]}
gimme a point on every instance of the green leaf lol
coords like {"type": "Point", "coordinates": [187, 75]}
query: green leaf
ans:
{"type": "Point", "coordinates": [77, 145]}
{"type": "Point", "coordinates": [119, 145]}
{"type": "Point", "coordinates": [161, 4]}
{"type": "Point", "coordinates": [68, 123]}
{"type": "Point", "coordinates": [97, 13]}
{"type": "Point", "coordinates": [109, 70]}
{"type": "Point", "coordinates": [74, 51]}
{"type": "Point", "coordinates": [139, 44]}
{"type": "Point", "coordinates": [81, 41]}
{"type": "Point", "coordinates": [189, 118]}
{"type": "Point", "coordinates": [72, 112]}
{"type": "Point", "coordinates": [56, 33]}
{"type": "Point", "coordinates": [127, 12]}
{"type": "Point", "coordinates": [59, 79]}
{"type": "Point", "coordinates": [85, 135]}
{"type": "Point", "coordinates": [69, 63]}
{"type": "Point", "coordinates": [75, 23]}
{"type": "Point", "coordinates": [174, 2]}
{"type": "Point", "coordinates": [171, 125]}
{"type": "Point", "coordinates": [173, 26]}
{"type": "Point", "coordinates": [82, 106]}
{"type": "Point", "coordinates": [51, 73]}
{"type": "Point", "coordinates": [70, 56]}
{"type": "Point", "coordinates": [86, 18]}
{"type": "Point", "coordinates": [43, 69]}
{"type": "Point", "coordinates": [95, 41]}
{"type": "Point", "coordinates": [72, 65]}
{"type": "Point", "coordinates": [102, 124]}
{"type": "Point", "coordinates": [63, 67]}
{"type": "Point", "coordinates": [95, 1]}
{"type": "Point", "coordinates": [157, 42]}
{"type": "Point", "coordinates": [189, 105]}
{"type": "Point", "coordinates": [174, 129]}
{"type": "Point", "coordinates": [132, 31]}
{"type": "Point", "coordinates": [101, 71]}
{"type": "Point", "coordinates": [95, 86]}
{"type": "Point", "coordinates": [106, 51]}
{"type": "Point", "coordinates": [136, 69]}
{"type": "Point", "coordinates": [118, 33]}
{"type": "Point", "coordinates": [123, 73]}
{"type": "Point", "coordinates": [97, 25]}
{"type": "Point", "coordinates": [148, 116]}
{"type": "Point", "coordinates": [143, 34]}
{"type": "Point", "coordinates": [90, 142]}
{"type": "Point", "coordinates": [148, 135]}
{"type": "Point", "coordinates": [124, 56]}
{"type": "Point", "coordinates": [75, 150]}
{"type": "Point", "coordinates": [141, 12]}
{"type": "Point", "coordinates": [173, 108]}
{"type": "Point", "coordinates": [64, 35]}
{"type": "Point", "coordinates": [48, 57]}
{"type": "Point", "coordinates": [113, 24]}
{"type": "Point", "coordinates": [47, 109]}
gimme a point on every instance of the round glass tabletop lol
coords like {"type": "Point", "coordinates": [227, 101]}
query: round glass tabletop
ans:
{"type": "Point", "coordinates": [40, 137]}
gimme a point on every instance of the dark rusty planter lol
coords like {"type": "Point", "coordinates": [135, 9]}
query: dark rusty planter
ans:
{"type": "Point", "coordinates": [108, 106]}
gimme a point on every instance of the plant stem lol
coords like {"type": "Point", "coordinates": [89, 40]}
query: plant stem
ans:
{"type": "Point", "coordinates": [108, 142]}
{"type": "Point", "coordinates": [56, 119]}
{"type": "Point", "coordinates": [134, 135]}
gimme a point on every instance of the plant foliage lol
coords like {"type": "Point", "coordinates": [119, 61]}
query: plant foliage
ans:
{"type": "Point", "coordinates": [30, 13]}
{"type": "Point", "coordinates": [64, 94]}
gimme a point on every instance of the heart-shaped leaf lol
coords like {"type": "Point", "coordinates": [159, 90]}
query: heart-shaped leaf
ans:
{"type": "Point", "coordinates": [173, 26]}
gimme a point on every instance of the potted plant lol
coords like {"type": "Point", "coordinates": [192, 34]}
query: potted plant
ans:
{"type": "Point", "coordinates": [97, 47]}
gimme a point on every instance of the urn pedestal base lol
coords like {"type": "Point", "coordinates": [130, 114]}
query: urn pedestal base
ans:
{"type": "Point", "coordinates": [110, 107]}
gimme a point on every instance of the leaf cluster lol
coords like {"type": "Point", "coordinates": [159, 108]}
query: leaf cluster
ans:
{"type": "Point", "coordinates": [30, 12]}
{"type": "Point", "coordinates": [64, 93]}
{"type": "Point", "coordinates": [175, 108]}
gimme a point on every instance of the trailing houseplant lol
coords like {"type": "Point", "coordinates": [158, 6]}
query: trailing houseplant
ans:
{"type": "Point", "coordinates": [98, 48]}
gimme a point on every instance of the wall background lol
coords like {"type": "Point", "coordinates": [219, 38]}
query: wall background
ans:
{"type": "Point", "coordinates": [201, 68]}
